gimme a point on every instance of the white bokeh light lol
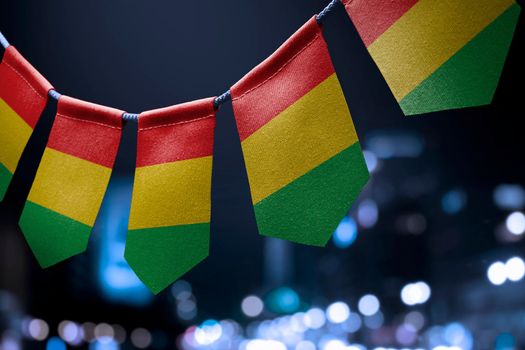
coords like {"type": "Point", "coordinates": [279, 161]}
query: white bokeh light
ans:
{"type": "Point", "coordinates": [38, 329]}
{"type": "Point", "coordinates": [497, 273]}
{"type": "Point", "coordinates": [305, 345]}
{"type": "Point", "coordinates": [208, 332]}
{"type": "Point", "coordinates": [415, 293]}
{"type": "Point", "coordinates": [252, 306]}
{"type": "Point", "coordinates": [334, 344]}
{"type": "Point", "coordinates": [515, 269]}
{"type": "Point", "coordinates": [338, 312]}
{"type": "Point", "coordinates": [425, 292]}
{"type": "Point", "coordinates": [516, 223]}
{"type": "Point", "coordinates": [261, 344]}
{"type": "Point", "coordinates": [314, 318]}
{"type": "Point", "coordinates": [69, 331]}
{"type": "Point", "coordinates": [368, 305]}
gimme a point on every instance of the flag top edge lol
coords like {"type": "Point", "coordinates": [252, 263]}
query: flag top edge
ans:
{"type": "Point", "coordinates": [70, 107]}
{"type": "Point", "coordinates": [280, 58]}
{"type": "Point", "coordinates": [178, 114]}
{"type": "Point", "coordinates": [14, 59]}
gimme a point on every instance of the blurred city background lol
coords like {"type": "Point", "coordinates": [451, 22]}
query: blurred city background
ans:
{"type": "Point", "coordinates": [431, 255]}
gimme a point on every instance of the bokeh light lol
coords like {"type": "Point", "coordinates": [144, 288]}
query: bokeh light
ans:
{"type": "Point", "coordinates": [515, 269]}
{"type": "Point", "coordinates": [454, 201]}
{"type": "Point", "coordinates": [104, 332]}
{"type": "Point", "coordinates": [252, 306]}
{"type": "Point", "coordinates": [263, 344]}
{"type": "Point", "coordinates": [345, 234]}
{"type": "Point", "coordinates": [38, 329]}
{"type": "Point", "coordinates": [375, 321]}
{"type": "Point", "coordinates": [509, 197]}
{"type": "Point", "coordinates": [334, 344]}
{"type": "Point", "coordinates": [497, 273]}
{"type": "Point", "coordinates": [55, 343]}
{"type": "Point", "coordinates": [208, 332]}
{"type": "Point", "coordinates": [416, 319]}
{"type": "Point", "coordinates": [353, 323]}
{"type": "Point", "coordinates": [516, 223]}
{"type": "Point", "coordinates": [140, 338]}
{"type": "Point", "coordinates": [406, 334]}
{"type": "Point", "coordinates": [338, 312]}
{"type": "Point", "coordinates": [367, 213]}
{"type": "Point", "coordinates": [415, 293]}
{"type": "Point", "coordinates": [283, 300]}
{"type": "Point", "coordinates": [69, 332]}
{"type": "Point", "coordinates": [314, 318]}
{"type": "Point", "coordinates": [371, 161]}
{"type": "Point", "coordinates": [305, 345]}
{"type": "Point", "coordinates": [368, 305]}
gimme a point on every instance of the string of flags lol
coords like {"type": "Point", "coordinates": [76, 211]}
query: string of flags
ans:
{"type": "Point", "coordinates": [303, 157]}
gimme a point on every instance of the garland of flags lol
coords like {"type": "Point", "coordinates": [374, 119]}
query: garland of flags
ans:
{"type": "Point", "coordinates": [303, 158]}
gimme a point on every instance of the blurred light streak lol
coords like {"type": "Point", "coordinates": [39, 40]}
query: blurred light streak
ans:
{"type": "Point", "coordinates": [117, 281]}
{"type": "Point", "coordinates": [387, 145]}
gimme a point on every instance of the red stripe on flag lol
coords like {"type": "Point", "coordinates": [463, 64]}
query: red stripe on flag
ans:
{"type": "Point", "coordinates": [86, 130]}
{"type": "Point", "coordinates": [184, 131]}
{"type": "Point", "coordinates": [298, 66]}
{"type": "Point", "coordinates": [22, 87]}
{"type": "Point", "coordinates": [373, 17]}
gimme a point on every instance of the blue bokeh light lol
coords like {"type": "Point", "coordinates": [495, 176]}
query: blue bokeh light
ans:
{"type": "Point", "coordinates": [454, 201]}
{"type": "Point", "coordinates": [55, 343]}
{"type": "Point", "coordinates": [509, 197]}
{"type": "Point", "coordinates": [105, 345]}
{"type": "Point", "coordinates": [505, 341]}
{"type": "Point", "coordinates": [345, 234]}
{"type": "Point", "coordinates": [283, 300]}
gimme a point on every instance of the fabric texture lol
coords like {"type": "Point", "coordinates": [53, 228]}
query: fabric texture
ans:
{"type": "Point", "coordinates": [304, 162]}
{"type": "Point", "coordinates": [23, 97]}
{"type": "Point", "coordinates": [437, 55]}
{"type": "Point", "coordinates": [169, 226]}
{"type": "Point", "coordinates": [71, 180]}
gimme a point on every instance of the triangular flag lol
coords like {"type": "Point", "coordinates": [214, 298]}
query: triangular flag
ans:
{"type": "Point", "coordinates": [437, 55]}
{"type": "Point", "coordinates": [304, 162]}
{"type": "Point", "coordinates": [71, 180]}
{"type": "Point", "coordinates": [23, 97]}
{"type": "Point", "coordinates": [169, 225]}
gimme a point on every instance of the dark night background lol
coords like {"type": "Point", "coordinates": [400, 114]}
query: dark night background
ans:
{"type": "Point", "coordinates": [440, 217]}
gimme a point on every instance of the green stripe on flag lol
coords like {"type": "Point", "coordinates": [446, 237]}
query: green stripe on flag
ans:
{"type": "Point", "coordinates": [51, 236]}
{"type": "Point", "coordinates": [470, 77]}
{"type": "Point", "coordinates": [5, 179]}
{"type": "Point", "coordinates": [159, 256]}
{"type": "Point", "coordinates": [308, 210]}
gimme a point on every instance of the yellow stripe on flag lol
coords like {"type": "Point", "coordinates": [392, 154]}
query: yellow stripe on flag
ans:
{"type": "Point", "coordinates": [427, 36]}
{"type": "Point", "coordinates": [70, 186]}
{"type": "Point", "coordinates": [171, 194]}
{"type": "Point", "coordinates": [306, 134]}
{"type": "Point", "coordinates": [14, 134]}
